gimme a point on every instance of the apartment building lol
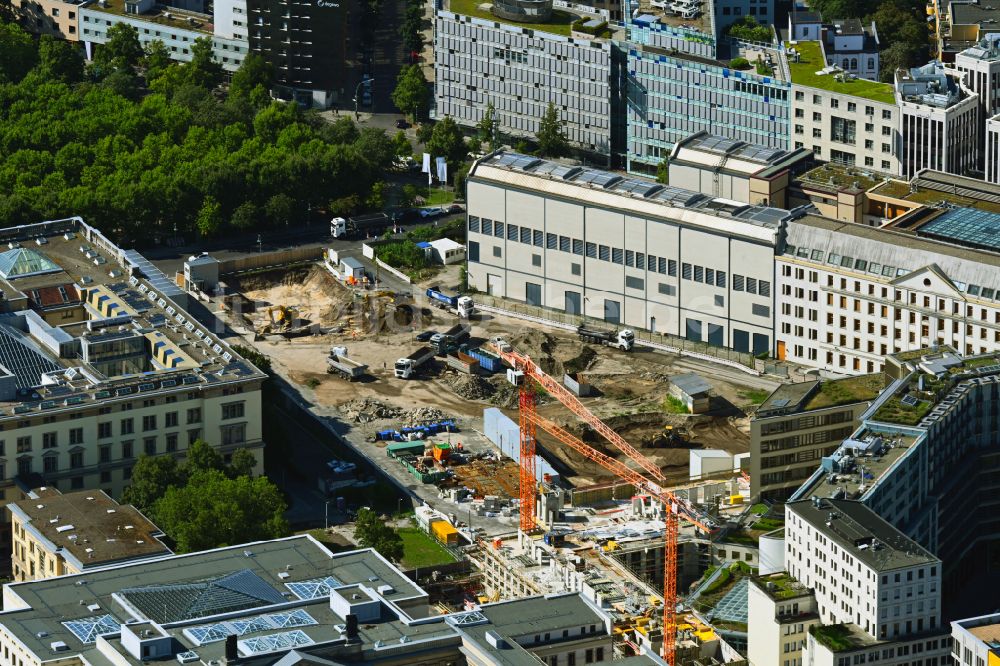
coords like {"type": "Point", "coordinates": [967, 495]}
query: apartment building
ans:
{"type": "Point", "coordinates": [520, 69]}
{"type": "Point", "coordinates": [799, 424]}
{"type": "Point", "coordinates": [176, 28]}
{"type": "Point", "coordinates": [56, 534]}
{"type": "Point", "coordinates": [624, 250]}
{"type": "Point", "coordinates": [721, 167]}
{"type": "Point", "coordinates": [976, 641]}
{"type": "Point", "coordinates": [939, 120]}
{"type": "Point", "coordinates": [288, 601]}
{"type": "Point", "coordinates": [852, 294]}
{"type": "Point", "coordinates": [124, 372]}
{"type": "Point", "coordinates": [842, 119]}
{"type": "Point", "coordinates": [781, 611]}
{"type": "Point", "coordinates": [673, 86]}
{"type": "Point", "coordinates": [57, 18]}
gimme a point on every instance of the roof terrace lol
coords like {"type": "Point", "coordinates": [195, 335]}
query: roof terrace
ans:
{"type": "Point", "coordinates": [808, 68]}
{"type": "Point", "coordinates": [168, 16]}
{"type": "Point", "coordinates": [839, 177]}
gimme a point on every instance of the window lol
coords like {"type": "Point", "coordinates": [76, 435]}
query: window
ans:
{"type": "Point", "coordinates": [487, 227]}
{"type": "Point", "coordinates": [149, 422]}
{"type": "Point", "coordinates": [536, 260]}
{"type": "Point", "coordinates": [817, 133]}
{"type": "Point", "coordinates": [104, 453]}
{"type": "Point", "coordinates": [886, 114]}
{"type": "Point", "coordinates": [817, 99]}
{"type": "Point", "coordinates": [634, 282]}
{"type": "Point", "coordinates": [578, 247]}
{"type": "Point", "coordinates": [50, 464]}
{"type": "Point", "coordinates": [149, 446]}
{"type": "Point", "coordinates": [526, 235]}
{"type": "Point", "coordinates": [886, 148]}
{"type": "Point", "coordinates": [76, 436]}
{"type": "Point", "coordinates": [76, 459]}
{"type": "Point", "coordinates": [842, 130]}
{"type": "Point", "coordinates": [699, 274]}
{"type": "Point", "coordinates": [799, 96]}
{"type": "Point", "coordinates": [852, 107]}
{"type": "Point", "coordinates": [686, 271]}
{"type": "Point", "coordinates": [817, 117]}
{"type": "Point", "coordinates": [127, 427]}
{"type": "Point", "coordinates": [537, 238]}
{"type": "Point", "coordinates": [171, 419]}
{"type": "Point", "coordinates": [193, 435]}
{"type": "Point", "coordinates": [563, 244]}
{"type": "Point", "coordinates": [551, 241]}
{"type": "Point", "coordinates": [738, 283]}
{"type": "Point", "coordinates": [127, 449]}
{"type": "Point", "coordinates": [194, 415]}
{"type": "Point", "coordinates": [171, 442]}
{"type": "Point", "coordinates": [497, 229]}
{"type": "Point", "coordinates": [233, 434]}
{"type": "Point", "coordinates": [474, 223]}
{"type": "Point", "coordinates": [886, 131]}
{"type": "Point", "coordinates": [760, 310]}
{"type": "Point", "coordinates": [604, 253]}
{"type": "Point", "coordinates": [50, 440]}
{"type": "Point", "coordinates": [667, 289]}
{"type": "Point", "coordinates": [575, 269]}
{"type": "Point", "coordinates": [835, 103]}
{"type": "Point", "coordinates": [616, 255]}
{"type": "Point", "coordinates": [512, 232]}
{"type": "Point", "coordinates": [497, 252]}
{"type": "Point", "coordinates": [24, 444]}
{"type": "Point", "coordinates": [592, 250]}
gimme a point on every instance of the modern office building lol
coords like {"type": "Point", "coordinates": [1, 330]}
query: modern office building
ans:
{"type": "Point", "coordinates": [939, 120]}
{"type": "Point", "coordinates": [624, 250]}
{"type": "Point", "coordinates": [49, 17]}
{"type": "Point", "coordinates": [850, 294]}
{"type": "Point", "coordinates": [56, 534]}
{"type": "Point", "coordinates": [176, 28]}
{"type": "Point", "coordinates": [780, 611]}
{"type": "Point", "coordinates": [981, 66]}
{"type": "Point", "coordinates": [520, 68]}
{"type": "Point", "coordinates": [100, 362]}
{"type": "Point", "coordinates": [288, 601]}
{"type": "Point", "coordinates": [842, 119]}
{"type": "Point", "coordinates": [306, 42]}
{"type": "Point", "coordinates": [992, 150]}
{"type": "Point", "coordinates": [799, 424]}
{"type": "Point", "coordinates": [736, 170]}
{"type": "Point", "coordinates": [976, 641]}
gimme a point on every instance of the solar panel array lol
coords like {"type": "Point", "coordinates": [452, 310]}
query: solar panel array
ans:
{"type": "Point", "coordinates": [211, 633]}
{"type": "Point", "coordinates": [642, 188]}
{"type": "Point", "coordinates": [595, 177]}
{"type": "Point", "coordinates": [314, 588]}
{"type": "Point", "coordinates": [157, 280]}
{"type": "Point", "coordinates": [89, 628]}
{"type": "Point", "coordinates": [274, 642]}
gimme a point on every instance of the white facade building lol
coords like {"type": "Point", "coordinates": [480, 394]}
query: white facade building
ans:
{"type": "Point", "coordinates": [850, 294]}
{"type": "Point", "coordinates": [519, 70]}
{"type": "Point", "coordinates": [939, 120]}
{"type": "Point", "coordinates": [976, 641]}
{"type": "Point", "coordinates": [627, 251]}
{"type": "Point", "coordinates": [981, 66]}
{"type": "Point", "coordinates": [992, 161]}
{"type": "Point", "coordinates": [230, 18]}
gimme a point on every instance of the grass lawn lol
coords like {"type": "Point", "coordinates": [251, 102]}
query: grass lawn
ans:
{"type": "Point", "coordinates": [559, 24]}
{"type": "Point", "coordinates": [674, 405]}
{"type": "Point", "coordinates": [436, 197]}
{"type": "Point", "coordinates": [811, 61]}
{"type": "Point", "coordinates": [755, 396]}
{"type": "Point", "coordinates": [421, 550]}
{"type": "Point", "coordinates": [759, 509]}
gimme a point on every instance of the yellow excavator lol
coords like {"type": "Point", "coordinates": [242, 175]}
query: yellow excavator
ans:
{"type": "Point", "coordinates": [282, 315]}
{"type": "Point", "coordinates": [671, 436]}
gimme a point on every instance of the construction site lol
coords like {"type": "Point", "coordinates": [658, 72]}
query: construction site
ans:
{"type": "Point", "coordinates": [585, 512]}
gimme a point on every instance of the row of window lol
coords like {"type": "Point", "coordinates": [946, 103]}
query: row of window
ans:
{"type": "Point", "coordinates": [708, 276]}
{"type": "Point", "coordinates": [800, 96]}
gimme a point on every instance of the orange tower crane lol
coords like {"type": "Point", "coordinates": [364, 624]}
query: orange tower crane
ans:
{"type": "Point", "coordinates": [527, 375]}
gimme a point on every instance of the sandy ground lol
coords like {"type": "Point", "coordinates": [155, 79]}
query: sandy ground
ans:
{"type": "Point", "coordinates": [631, 388]}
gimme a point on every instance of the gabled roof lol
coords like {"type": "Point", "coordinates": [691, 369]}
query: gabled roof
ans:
{"type": "Point", "coordinates": [22, 262]}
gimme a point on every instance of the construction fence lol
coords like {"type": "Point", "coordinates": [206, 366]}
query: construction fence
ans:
{"type": "Point", "coordinates": [664, 341]}
{"type": "Point", "coordinates": [267, 259]}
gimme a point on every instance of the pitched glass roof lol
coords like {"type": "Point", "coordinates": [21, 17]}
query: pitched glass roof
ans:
{"type": "Point", "coordinates": [185, 601]}
{"type": "Point", "coordinates": [22, 262]}
{"type": "Point", "coordinates": [274, 642]}
{"type": "Point", "coordinates": [314, 588]}
{"type": "Point", "coordinates": [211, 633]}
{"type": "Point", "coordinates": [967, 226]}
{"type": "Point", "coordinates": [87, 629]}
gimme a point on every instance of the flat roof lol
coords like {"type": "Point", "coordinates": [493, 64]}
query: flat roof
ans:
{"type": "Point", "coordinates": [975, 228]}
{"type": "Point", "coordinates": [559, 24]}
{"type": "Point", "coordinates": [691, 384]}
{"type": "Point", "coordinates": [936, 187]}
{"type": "Point", "coordinates": [863, 533]}
{"type": "Point", "coordinates": [629, 192]}
{"type": "Point", "coordinates": [966, 13]}
{"type": "Point", "coordinates": [163, 15]}
{"type": "Point", "coordinates": [90, 528]}
{"type": "Point", "coordinates": [806, 72]}
{"type": "Point", "coordinates": [840, 177]}
{"type": "Point", "coordinates": [720, 153]}
{"type": "Point", "coordinates": [822, 394]}
{"type": "Point", "coordinates": [109, 294]}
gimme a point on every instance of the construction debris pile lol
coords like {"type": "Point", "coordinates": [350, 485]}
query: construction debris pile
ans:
{"type": "Point", "coordinates": [366, 410]}
{"type": "Point", "coordinates": [471, 387]}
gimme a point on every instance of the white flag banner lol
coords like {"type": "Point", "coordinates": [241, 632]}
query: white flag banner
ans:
{"type": "Point", "coordinates": [427, 164]}
{"type": "Point", "coordinates": [442, 170]}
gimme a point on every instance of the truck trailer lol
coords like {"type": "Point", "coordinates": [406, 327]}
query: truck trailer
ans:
{"type": "Point", "coordinates": [361, 225]}
{"type": "Point", "coordinates": [623, 339]}
{"type": "Point", "coordinates": [338, 363]}
{"type": "Point", "coordinates": [463, 306]}
{"type": "Point", "coordinates": [408, 366]}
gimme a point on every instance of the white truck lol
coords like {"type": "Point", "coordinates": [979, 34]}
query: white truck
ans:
{"type": "Point", "coordinates": [338, 363]}
{"type": "Point", "coordinates": [623, 339]}
{"type": "Point", "coordinates": [409, 366]}
{"type": "Point", "coordinates": [463, 306]}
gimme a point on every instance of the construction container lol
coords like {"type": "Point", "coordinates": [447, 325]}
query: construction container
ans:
{"type": "Point", "coordinates": [405, 449]}
{"type": "Point", "coordinates": [441, 451]}
{"type": "Point", "coordinates": [736, 499]}
{"type": "Point", "coordinates": [463, 363]}
{"type": "Point", "coordinates": [445, 533]}
{"type": "Point", "coordinates": [489, 362]}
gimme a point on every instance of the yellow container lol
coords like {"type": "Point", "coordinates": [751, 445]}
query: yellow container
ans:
{"type": "Point", "coordinates": [736, 499]}
{"type": "Point", "coordinates": [444, 532]}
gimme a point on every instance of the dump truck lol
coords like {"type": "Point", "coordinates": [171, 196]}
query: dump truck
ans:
{"type": "Point", "coordinates": [338, 363]}
{"type": "Point", "coordinates": [463, 306]}
{"type": "Point", "coordinates": [449, 341]}
{"type": "Point", "coordinates": [362, 225]}
{"type": "Point", "coordinates": [408, 366]}
{"type": "Point", "coordinates": [623, 339]}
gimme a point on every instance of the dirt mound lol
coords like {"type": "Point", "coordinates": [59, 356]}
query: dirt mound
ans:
{"type": "Point", "coordinates": [554, 355]}
{"type": "Point", "coordinates": [504, 393]}
{"type": "Point", "coordinates": [471, 387]}
{"type": "Point", "coordinates": [367, 409]}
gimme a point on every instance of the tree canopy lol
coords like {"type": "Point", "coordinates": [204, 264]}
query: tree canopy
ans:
{"type": "Point", "coordinates": [551, 137]}
{"type": "Point", "coordinates": [139, 145]}
{"type": "Point", "coordinates": [411, 95]}
{"type": "Point", "coordinates": [371, 532]}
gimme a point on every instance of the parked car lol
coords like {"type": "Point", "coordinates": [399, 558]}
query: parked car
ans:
{"type": "Point", "coordinates": [425, 336]}
{"type": "Point", "coordinates": [455, 208]}
{"type": "Point", "coordinates": [428, 213]}
{"type": "Point", "coordinates": [402, 124]}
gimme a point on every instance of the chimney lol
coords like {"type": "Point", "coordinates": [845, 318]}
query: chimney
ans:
{"type": "Point", "coordinates": [352, 627]}
{"type": "Point", "coordinates": [231, 649]}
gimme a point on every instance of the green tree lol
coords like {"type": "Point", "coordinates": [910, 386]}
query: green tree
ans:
{"type": "Point", "coordinates": [459, 178]}
{"type": "Point", "coordinates": [242, 463]}
{"type": "Point", "coordinates": [898, 56]}
{"type": "Point", "coordinates": [254, 71]}
{"type": "Point", "coordinates": [151, 476]}
{"type": "Point", "coordinates": [749, 30]}
{"type": "Point", "coordinates": [343, 130]}
{"type": "Point", "coordinates": [663, 172]}
{"type": "Point", "coordinates": [156, 59]}
{"type": "Point", "coordinates": [411, 96]}
{"type": "Point", "coordinates": [409, 194]}
{"type": "Point", "coordinates": [209, 219]}
{"type": "Point", "coordinates": [201, 456]}
{"type": "Point", "coordinates": [121, 50]}
{"type": "Point", "coordinates": [551, 137]}
{"type": "Point", "coordinates": [279, 209]}
{"type": "Point", "coordinates": [489, 128]}
{"type": "Point", "coordinates": [17, 52]}
{"type": "Point", "coordinates": [258, 359]}
{"type": "Point", "coordinates": [401, 145]}
{"type": "Point", "coordinates": [203, 70]}
{"type": "Point", "coordinates": [214, 510]}
{"type": "Point", "coordinates": [371, 532]}
{"type": "Point", "coordinates": [245, 216]}
{"type": "Point", "coordinates": [446, 141]}
{"type": "Point", "coordinates": [376, 198]}
{"type": "Point", "coordinates": [59, 60]}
